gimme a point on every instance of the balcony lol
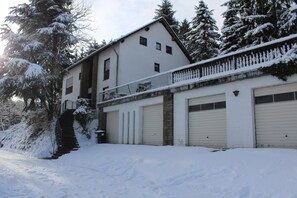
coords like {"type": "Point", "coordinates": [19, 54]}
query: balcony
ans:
{"type": "Point", "coordinates": [248, 59]}
{"type": "Point", "coordinates": [159, 81]}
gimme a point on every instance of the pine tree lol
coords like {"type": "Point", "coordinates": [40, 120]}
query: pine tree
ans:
{"type": "Point", "coordinates": [257, 22]}
{"type": "Point", "coordinates": [232, 26]}
{"type": "Point", "coordinates": [86, 49]}
{"type": "Point", "coordinates": [166, 10]}
{"type": "Point", "coordinates": [288, 19]}
{"type": "Point", "coordinates": [203, 37]}
{"type": "Point", "coordinates": [261, 22]}
{"type": "Point", "coordinates": [183, 31]}
{"type": "Point", "coordinates": [38, 51]}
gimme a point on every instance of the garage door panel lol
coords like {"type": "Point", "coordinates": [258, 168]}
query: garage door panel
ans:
{"type": "Point", "coordinates": [208, 127]}
{"type": "Point", "coordinates": [153, 125]}
{"type": "Point", "coordinates": [276, 122]}
{"type": "Point", "coordinates": [207, 99]}
{"type": "Point", "coordinates": [112, 127]}
{"type": "Point", "coordinates": [276, 89]}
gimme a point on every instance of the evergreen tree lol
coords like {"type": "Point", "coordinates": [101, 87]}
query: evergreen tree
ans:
{"type": "Point", "coordinates": [251, 22]}
{"type": "Point", "coordinates": [232, 26]}
{"type": "Point", "coordinates": [166, 10]}
{"type": "Point", "coordinates": [86, 49]}
{"type": "Point", "coordinates": [183, 30]}
{"type": "Point", "coordinates": [261, 22]}
{"type": "Point", "coordinates": [288, 19]}
{"type": "Point", "coordinates": [203, 37]}
{"type": "Point", "coordinates": [38, 51]}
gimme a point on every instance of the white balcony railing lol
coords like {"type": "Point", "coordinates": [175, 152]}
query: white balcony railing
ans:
{"type": "Point", "coordinates": [244, 60]}
{"type": "Point", "coordinates": [136, 87]}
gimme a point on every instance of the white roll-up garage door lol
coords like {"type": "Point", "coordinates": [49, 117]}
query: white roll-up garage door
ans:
{"type": "Point", "coordinates": [276, 116]}
{"type": "Point", "coordinates": [112, 127]}
{"type": "Point", "coordinates": [207, 121]}
{"type": "Point", "coordinates": [153, 125]}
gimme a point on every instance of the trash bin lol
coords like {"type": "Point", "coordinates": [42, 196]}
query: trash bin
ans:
{"type": "Point", "coordinates": [101, 136]}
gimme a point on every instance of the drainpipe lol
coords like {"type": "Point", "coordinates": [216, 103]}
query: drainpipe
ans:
{"type": "Point", "coordinates": [117, 66]}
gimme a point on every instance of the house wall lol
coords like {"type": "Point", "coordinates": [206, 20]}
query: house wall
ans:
{"type": "Point", "coordinates": [104, 55]}
{"type": "Point", "coordinates": [239, 110]}
{"type": "Point", "coordinates": [126, 125]}
{"type": "Point", "coordinates": [137, 61]}
{"type": "Point", "coordinates": [76, 84]}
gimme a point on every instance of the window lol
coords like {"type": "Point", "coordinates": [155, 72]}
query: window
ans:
{"type": "Point", "coordinates": [79, 76]}
{"type": "Point", "coordinates": [168, 49]}
{"type": "Point", "coordinates": [284, 97]}
{"type": "Point", "coordinates": [106, 69]}
{"type": "Point", "coordinates": [69, 85]}
{"type": "Point", "coordinates": [158, 46]}
{"type": "Point", "coordinates": [208, 106]}
{"type": "Point", "coordinates": [275, 98]}
{"type": "Point", "coordinates": [157, 67]}
{"type": "Point", "coordinates": [264, 99]}
{"type": "Point", "coordinates": [143, 41]}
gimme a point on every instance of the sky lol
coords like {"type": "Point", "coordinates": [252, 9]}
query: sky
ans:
{"type": "Point", "coordinates": [113, 18]}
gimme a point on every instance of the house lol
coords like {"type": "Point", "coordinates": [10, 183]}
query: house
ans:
{"type": "Point", "coordinates": [224, 102]}
{"type": "Point", "coordinates": [149, 50]}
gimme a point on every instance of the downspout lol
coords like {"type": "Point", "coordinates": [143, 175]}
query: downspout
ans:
{"type": "Point", "coordinates": [117, 66]}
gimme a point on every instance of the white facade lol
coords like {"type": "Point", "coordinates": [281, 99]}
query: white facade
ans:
{"type": "Point", "coordinates": [109, 53]}
{"type": "Point", "coordinates": [130, 60]}
{"type": "Point", "coordinates": [137, 61]}
{"type": "Point", "coordinates": [240, 114]}
{"type": "Point", "coordinates": [73, 73]}
{"type": "Point", "coordinates": [130, 119]}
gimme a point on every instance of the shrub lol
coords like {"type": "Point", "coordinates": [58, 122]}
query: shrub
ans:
{"type": "Point", "coordinates": [83, 115]}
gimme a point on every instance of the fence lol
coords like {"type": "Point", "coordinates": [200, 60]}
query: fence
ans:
{"type": "Point", "coordinates": [250, 58]}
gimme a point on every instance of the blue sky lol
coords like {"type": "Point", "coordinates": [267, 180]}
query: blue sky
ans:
{"type": "Point", "coordinates": [113, 18]}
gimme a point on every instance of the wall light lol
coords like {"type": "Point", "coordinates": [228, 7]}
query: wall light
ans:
{"type": "Point", "coordinates": [236, 92]}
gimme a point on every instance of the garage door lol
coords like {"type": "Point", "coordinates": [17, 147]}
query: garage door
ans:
{"type": "Point", "coordinates": [153, 125]}
{"type": "Point", "coordinates": [276, 116]}
{"type": "Point", "coordinates": [207, 121]}
{"type": "Point", "coordinates": [112, 127]}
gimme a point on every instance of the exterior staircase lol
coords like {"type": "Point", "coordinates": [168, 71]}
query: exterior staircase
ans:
{"type": "Point", "coordinates": [67, 141]}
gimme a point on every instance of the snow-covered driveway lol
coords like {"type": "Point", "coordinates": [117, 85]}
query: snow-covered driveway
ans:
{"type": "Point", "coordinates": [148, 171]}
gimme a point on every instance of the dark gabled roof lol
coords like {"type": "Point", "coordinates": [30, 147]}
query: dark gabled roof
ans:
{"type": "Point", "coordinates": [113, 42]}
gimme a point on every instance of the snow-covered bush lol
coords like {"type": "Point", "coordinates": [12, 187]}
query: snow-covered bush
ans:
{"type": "Point", "coordinates": [83, 115]}
{"type": "Point", "coordinates": [21, 137]}
{"type": "Point", "coordinates": [38, 120]}
{"type": "Point", "coordinates": [283, 67]}
{"type": "Point", "coordinates": [10, 113]}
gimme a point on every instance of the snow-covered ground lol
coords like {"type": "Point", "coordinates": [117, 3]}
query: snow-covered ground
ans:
{"type": "Point", "coordinates": [149, 171]}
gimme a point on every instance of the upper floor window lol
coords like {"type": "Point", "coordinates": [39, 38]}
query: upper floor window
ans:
{"type": "Point", "coordinates": [79, 76]}
{"type": "Point", "coordinates": [143, 41]}
{"type": "Point", "coordinates": [69, 85]}
{"type": "Point", "coordinates": [157, 67]}
{"type": "Point", "coordinates": [168, 49]}
{"type": "Point", "coordinates": [106, 69]}
{"type": "Point", "coordinates": [158, 46]}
